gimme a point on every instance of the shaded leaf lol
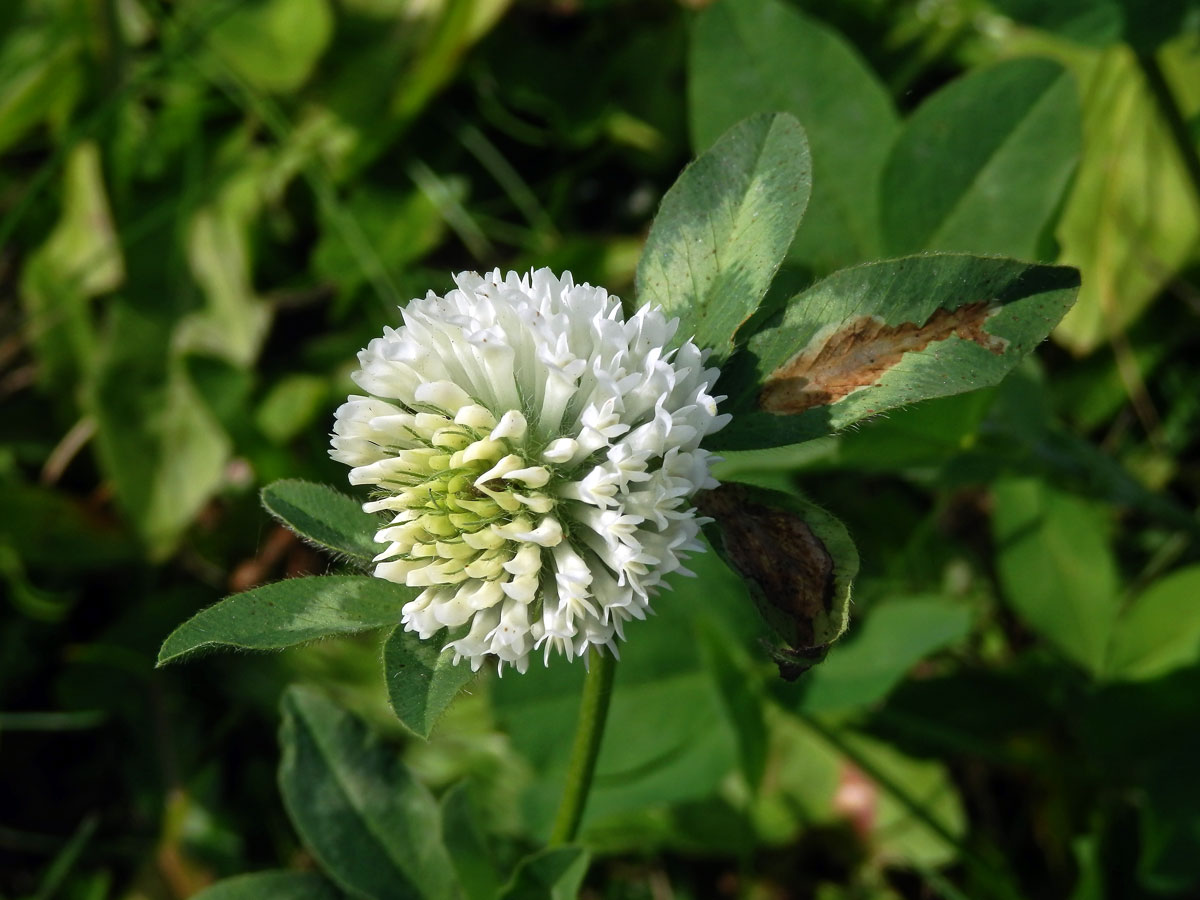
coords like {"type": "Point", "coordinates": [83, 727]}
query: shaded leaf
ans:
{"type": "Point", "coordinates": [555, 873]}
{"type": "Point", "coordinates": [40, 78]}
{"type": "Point", "coordinates": [887, 334]}
{"type": "Point", "coordinates": [79, 260]}
{"type": "Point", "coordinates": [473, 862]}
{"type": "Point", "coordinates": [1094, 22]}
{"type": "Point", "coordinates": [376, 830]}
{"type": "Point", "coordinates": [797, 560]}
{"type": "Point", "coordinates": [275, 885]}
{"type": "Point", "coordinates": [158, 441]}
{"type": "Point", "coordinates": [724, 227]}
{"type": "Point", "coordinates": [765, 56]}
{"type": "Point", "coordinates": [741, 698]}
{"type": "Point", "coordinates": [289, 612]}
{"type": "Point", "coordinates": [324, 516]}
{"type": "Point", "coordinates": [661, 679]}
{"type": "Point", "coordinates": [422, 680]}
{"type": "Point", "coordinates": [982, 164]}
{"type": "Point", "coordinates": [1056, 567]}
{"type": "Point", "coordinates": [1160, 631]}
{"type": "Point", "coordinates": [895, 636]}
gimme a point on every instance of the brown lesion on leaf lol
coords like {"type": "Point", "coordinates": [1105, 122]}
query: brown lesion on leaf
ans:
{"type": "Point", "coordinates": [777, 551]}
{"type": "Point", "coordinates": [855, 354]}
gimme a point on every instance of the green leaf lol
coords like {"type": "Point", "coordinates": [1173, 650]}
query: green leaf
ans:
{"type": "Point", "coordinates": [1094, 22]}
{"type": "Point", "coordinates": [376, 830]}
{"type": "Point", "coordinates": [400, 228]}
{"type": "Point", "coordinates": [289, 612]}
{"type": "Point", "coordinates": [40, 75]}
{"type": "Point", "coordinates": [740, 689]}
{"type": "Point", "coordinates": [292, 406]}
{"type": "Point", "coordinates": [887, 334]}
{"type": "Point", "coordinates": [1130, 222]}
{"type": "Point", "coordinates": [473, 862]}
{"type": "Point", "coordinates": [79, 260]}
{"type": "Point", "coordinates": [275, 885]}
{"type": "Point", "coordinates": [895, 637]}
{"type": "Point", "coordinates": [1143, 24]}
{"type": "Point", "coordinates": [1056, 568]}
{"type": "Point", "coordinates": [981, 166]}
{"type": "Point", "coordinates": [919, 818]}
{"type": "Point", "coordinates": [421, 679]}
{"type": "Point", "coordinates": [797, 560]}
{"type": "Point", "coordinates": [1160, 632]}
{"type": "Point", "coordinates": [555, 873]}
{"type": "Point", "coordinates": [724, 227]}
{"type": "Point", "coordinates": [752, 56]}
{"type": "Point", "coordinates": [273, 44]}
{"type": "Point", "coordinates": [157, 439]}
{"type": "Point", "coordinates": [324, 516]}
{"type": "Point", "coordinates": [233, 322]}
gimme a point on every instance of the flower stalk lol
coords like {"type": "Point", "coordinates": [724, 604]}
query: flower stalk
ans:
{"type": "Point", "coordinates": [593, 712]}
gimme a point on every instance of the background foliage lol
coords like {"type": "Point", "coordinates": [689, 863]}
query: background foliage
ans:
{"type": "Point", "coordinates": [207, 207]}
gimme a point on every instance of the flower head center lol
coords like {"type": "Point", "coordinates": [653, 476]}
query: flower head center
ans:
{"type": "Point", "coordinates": [467, 499]}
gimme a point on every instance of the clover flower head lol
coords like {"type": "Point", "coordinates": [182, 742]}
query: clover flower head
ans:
{"type": "Point", "coordinates": [536, 452]}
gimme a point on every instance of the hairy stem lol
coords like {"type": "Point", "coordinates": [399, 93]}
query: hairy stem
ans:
{"type": "Point", "coordinates": [593, 710]}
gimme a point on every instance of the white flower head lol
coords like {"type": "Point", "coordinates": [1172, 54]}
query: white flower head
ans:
{"type": "Point", "coordinates": [537, 452]}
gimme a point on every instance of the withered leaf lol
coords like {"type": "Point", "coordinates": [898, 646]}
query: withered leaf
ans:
{"type": "Point", "coordinates": [797, 560]}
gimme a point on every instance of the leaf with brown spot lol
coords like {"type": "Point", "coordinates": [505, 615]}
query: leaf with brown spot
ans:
{"type": "Point", "coordinates": [797, 560]}
{"type": "Point", "coordinates": [840, 360]}
{"type": "Point", "coordinates": [886, 334]}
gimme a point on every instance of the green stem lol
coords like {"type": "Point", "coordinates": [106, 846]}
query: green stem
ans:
{"type": "Point", "coordinates": [593, 710]}
{"type": "Point", "coordinates": [1156, 80]}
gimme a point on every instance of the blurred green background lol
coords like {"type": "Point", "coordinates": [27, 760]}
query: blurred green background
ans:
{"type": "Point", "coordinates": [206, 209]}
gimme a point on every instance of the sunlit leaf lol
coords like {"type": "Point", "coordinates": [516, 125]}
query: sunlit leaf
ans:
{"type": "Point", "coordinates": [324, 516]}
{"type": "Point", "coordinates": [1160, 631]}
{"type": "Point", "coordinates": [1056, 568]}
{"type": "Point", "coordinates": [766, 56]}
{"type": "Point", "coordinates": [887, 334]}
{"type": "Point", "coordinates": [724, 227]}
{"type": "Point", "coordinates": [273, 44]}
{"type": "Point", "coordinates": [287, 613]}
{"type": "Point", "coordinates": [1131, 220]}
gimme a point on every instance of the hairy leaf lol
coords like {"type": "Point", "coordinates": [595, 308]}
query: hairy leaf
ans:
{"type": "Point", "coordinates": [421, 679]}
{"type": "Point", "coordinates": [289, 612]}
{"type": "Point", "coordinates": [724, 227]}
{"type": "Point", "coordinates": [376, 830]}
{"type": "Point", "coordinates": [325, 516]}
{"type": "Point", "coordinates": [887, 334]}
